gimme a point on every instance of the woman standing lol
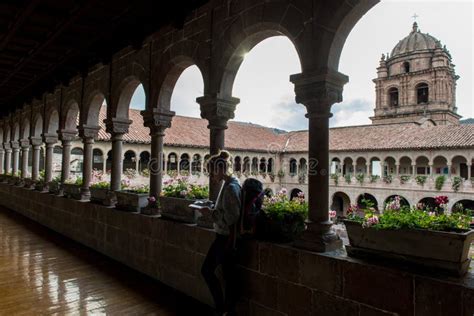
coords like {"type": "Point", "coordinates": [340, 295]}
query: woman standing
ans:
{"type": "Point", "coordinates": [225, 215]}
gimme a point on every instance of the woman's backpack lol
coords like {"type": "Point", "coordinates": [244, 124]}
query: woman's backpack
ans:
{"type": "Point", "coordinates": [251, 205]}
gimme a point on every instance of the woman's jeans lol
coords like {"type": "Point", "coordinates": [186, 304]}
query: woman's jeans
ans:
{"type": "Point", "coordinates": [220, 253]}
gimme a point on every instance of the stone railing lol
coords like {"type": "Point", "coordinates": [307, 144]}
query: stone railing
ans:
{"type": "Point", "coordinates": [276, 279]}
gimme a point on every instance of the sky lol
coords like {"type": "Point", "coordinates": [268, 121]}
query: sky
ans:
{"type": "Point", "coordinates": [267, 96]}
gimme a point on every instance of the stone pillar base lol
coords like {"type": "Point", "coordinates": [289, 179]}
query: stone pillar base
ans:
{"type": "Point", "coordinates": [319, 237]}
{"type": "Point", "coordinates": [85, 194]}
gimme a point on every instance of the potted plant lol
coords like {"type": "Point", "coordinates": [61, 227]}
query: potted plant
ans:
{"type": "Point", "coordinates": [29, 183]}
{"type": "Point", "coordinates": [54, 185]}
{"type": "Point", "coordinates": [416, 237]}
{"type": "Point", "coordinates": [72, 188]}
{"type": "Point", "coordinates": [132, 198]}
{"type": "Point", "coordinates": [348, 178]}
{"type": "Point", "coordinates": [457, 182]}
{"type": "Point", "coordinates": [152, 207]}
{"type": "Point", "coordinates": [439, 182]}
{"type": "Point", "coordinates": [360, 178]}
{"type": "Point", "coordinates": [282, 220]}
{"type": "Point", "coordinates": [100, 190]}
{"type": "Point", "coordinates": [335, 177]}
{"type": "Point", "coordinates": [176, 197]}
{"type": "Point", "coordinates": [421, 180]}
{"type": "Point", "coordinates": [40, 184]}
{"type": "Point", "coordinates": [404, 179]}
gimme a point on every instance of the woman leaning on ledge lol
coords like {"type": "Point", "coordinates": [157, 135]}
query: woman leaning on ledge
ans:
{"type": "Point", "coordinates": [225, 215]}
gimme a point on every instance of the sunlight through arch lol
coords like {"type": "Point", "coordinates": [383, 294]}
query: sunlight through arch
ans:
{"type": "Point", "coordinates": [263, 86]}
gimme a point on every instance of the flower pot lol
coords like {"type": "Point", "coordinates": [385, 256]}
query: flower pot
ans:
{"type": "Point", "coordinates": [286, 229]}
{"type": "Point", "coordinates": [103, 196]}
{"type": "Point", "coordinates": [72, 191]}
{"type": "Point", "coordinates": [131, 201]}
{"type": "Point", "coordinates": [178, 209]}
{"type": "Point", "coordinates": [435, 250]}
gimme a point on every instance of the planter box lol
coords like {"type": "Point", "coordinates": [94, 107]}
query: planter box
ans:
{"type": "Point", "coordinates": [435, 250]}
{"type": "Point", "coordinates": [131, 201]}
{"type": "Point", "coordinates": [29, 183]}
{"type": "Point", "coordinates": [178, 209]}
{"type": "Point", "coordinates": [72, 191]}
{"type": "Point", "coordinates": [103, 196]}
{"type": "Point", "coordinates": [40, 187]}
{"type": "Point", "coordinates": [285, 230]}
{"type": "Point", "coordinates": [54, 187]}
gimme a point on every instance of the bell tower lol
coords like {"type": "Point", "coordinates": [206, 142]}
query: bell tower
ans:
{"type": "Point", "coordinates": [416, 83]}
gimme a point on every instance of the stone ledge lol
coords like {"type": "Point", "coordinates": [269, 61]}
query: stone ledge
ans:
{"type": "Point", "coordinates": [277, 279]}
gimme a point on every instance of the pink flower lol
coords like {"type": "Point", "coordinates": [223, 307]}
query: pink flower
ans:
{"type": "Point", "coordinates": [440, 200]}
{"type": "Point", "coordinates": [371, 221]}
{"type": "Point", "coordinates": [332, 214]}
{"type": "Point", "coordinates": [151, 199]}
{"type": "Point", "coordinates": [432, 214]}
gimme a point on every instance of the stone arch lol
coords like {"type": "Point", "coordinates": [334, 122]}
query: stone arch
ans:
{"type": "Point", "coordinates": [98, 159]}
{"type": "Point", "coordinates": [37, 126]}
{"type": "Point", "coordinates": [166, 72]}
{"type": "Point", "coordinates": [246, 164]}
{"type": "Point", "coordinates": [69, 115]}
{"type": "Point", "coordinates": [124, 93]}
{"type": "Point", "coordinates": [294, 193]}
{"type": "Point", "coordinates": [237, 164]}
{"type": "Point", "coordinates": [262, 168]}
{"type": "Point", "coordinates": [15, 135]}
{"type": "Point", "coordinates": [172, 162]}
{"type": "Point", "coordinates": [7, 132]}
{"type": "Point", "coordinates": [51, 122]}
{"type": "Point", "coordinates": [184, 163]}
{"type": "Point", "coordinates": [293, 168]}
{"type": "Point", "coordinates": [270, 165]}
{"type": "Point", "coordinates": [340, 203]}
{"type": "Point", "coordinates": [240, 38]}
{"type": "Point", "coordinates": [429, 202]}
{"type": "Point", "coordinates": [369, 197]}
{"type": "Point", "coordinates": [467, 204]}
{"type": "Point", "coordinates": [347, 17]}
{"type": "Point", "coordinates": [90, 115]}
{"type": "Point", "coordinates": [393, 96]}
{"type": "Point", "coordinates": [422, 92]}
{"type": "Point", "coordinates": [403, 201]}
{"type": "Point", "coordinates": [440, 165]}
{"type": "Point", "coordinates": [144, 160]}
{"type": "Point", "coordinates": [129, 160]}
{"type": "Point", "coordinates": [196, 164]}
{"type": "Point", "coordinates": [25, 128]}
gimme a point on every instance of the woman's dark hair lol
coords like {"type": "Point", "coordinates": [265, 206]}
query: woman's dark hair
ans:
{"type": "Point", "coordinates": [220, 161]}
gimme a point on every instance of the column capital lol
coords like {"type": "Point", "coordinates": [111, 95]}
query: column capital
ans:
{"type": "Point", "coordinates": [88, 131]}
{"type": "Point", "coordinates": [218, 111]}
{"type": "Point", "coordinates": [50, 139]}
{"type": "Point", "coordinates": [117, 125]}
{"type": "Point", "coordinates": [36, 141]}
{"type": "Point", "coordinates": [15, 144]}
{"type": "Point", "coordinates": [157, 118]}
{"type": "Point", "coordinates": [24, 143]}
{"type": "Point", "coordinates": [319, 90]}
{"type": "Point", "coordinates": [65, 135]}
{"type": "Point", "coordinates": [7, 146]}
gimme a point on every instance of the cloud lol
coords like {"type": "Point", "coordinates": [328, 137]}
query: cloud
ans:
{"type": "Point", "coordinates": [288, 115]}
{"type": "Point", "coordinates": [351, 112]}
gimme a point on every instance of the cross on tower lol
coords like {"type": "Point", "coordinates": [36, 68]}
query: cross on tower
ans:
{"type": "Point", "coordinates": [415, 16]}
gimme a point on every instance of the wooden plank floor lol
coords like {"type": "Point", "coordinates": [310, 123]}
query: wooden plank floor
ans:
{"type": "Point", "coordinates": [43, 273]}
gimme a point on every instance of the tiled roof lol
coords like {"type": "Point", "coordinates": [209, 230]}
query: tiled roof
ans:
{"type": "Point", "coordinates": [467, 121]}
{"type": "Point", "coordinates": [188, 131]}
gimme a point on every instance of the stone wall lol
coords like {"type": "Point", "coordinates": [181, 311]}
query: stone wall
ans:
{"type": "Point", "coordinates": [276, 279]}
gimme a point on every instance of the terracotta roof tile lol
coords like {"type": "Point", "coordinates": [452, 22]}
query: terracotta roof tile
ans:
{"type": "Point", "coordinates": [188, 131]}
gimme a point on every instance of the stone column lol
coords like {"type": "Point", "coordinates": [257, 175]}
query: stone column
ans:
{"type": "Point", "coordinates": [25, 148]}
{"type": "Point", "coordinates": [468, 171]}
{"type": "Point", "coordinates": [66, 139]}
{"type": "Point", "coordinates": [430, 170]}
{"type": "Point", "coordinates": [36, 144]}
{"type": "Point", "coordinates": [104, 163]}
{"type": "Point", "coordinates": [50, 141]}
{"type": "Point", "coordinates": [88, 135]}
{"type": "Point", "coordinates": [217, 111]}
{"type": "Point", "coordinates": [367, 169]}
{"type": "Point", "coordinates": [318, 92]}
{"type": "Point", "coordinates": [449, 171]}
{"type": "Point", "coordinates": [15, 157]}
{"type": "Point", "coordinates": [158, 121]}
{"type": "Point", "coordinates": [413, 169]}
{"type": "Point", "coordinates": [8, 158]}
{"type": "Point", "coordinates": [2, 160]}
{"type": "Point", "coordinates": [397, 169]}
{"type": "Point", "coordinates": [117, 128]}
{"type": "Point", "coordinates": [354, 168]}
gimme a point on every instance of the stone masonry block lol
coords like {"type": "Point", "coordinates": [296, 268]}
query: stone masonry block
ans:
{"type": "Point", "coordinates": [280, 261]}
{"type": "Point", "coordinates": [436, 298]}
{"type": "Point", "coordinates": [321, 272]}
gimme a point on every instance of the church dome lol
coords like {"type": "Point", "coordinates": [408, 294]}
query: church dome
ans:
{"type": "Point", "coordinates": [415, 41]}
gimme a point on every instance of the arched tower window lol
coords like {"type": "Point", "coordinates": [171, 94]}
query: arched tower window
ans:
{"type": "Point", "coordinates": [393, 96]}
{"type": "Point", "coordinates": [406, 67]}
{"type": "Point", "coordinates": [422, 93]}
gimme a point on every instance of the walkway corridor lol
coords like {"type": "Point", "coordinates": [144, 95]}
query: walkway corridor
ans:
{"type": "Point", "coordinates": [43, 273]}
